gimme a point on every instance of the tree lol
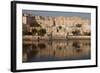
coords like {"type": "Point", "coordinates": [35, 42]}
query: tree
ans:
{"type": "Point", "coordinates": [34, 23]}
{"type": "Point", "coordinates": [60, 27]}
{"type": "Point", "coordinates": [34, 31]}
{"type": "Point", "coordinates": [26, 29]}
{"type": "Point", "coordinates": [76, 32]}
{"type": "Point", "coordinates": [41, 32]}
{"type": "Point", "coordinates": [87, 33]}
{"type": "Point", "coordinates": [79, 25]}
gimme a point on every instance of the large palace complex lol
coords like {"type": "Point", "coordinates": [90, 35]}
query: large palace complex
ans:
{"type": "Point", "coordinates": [56, 26]}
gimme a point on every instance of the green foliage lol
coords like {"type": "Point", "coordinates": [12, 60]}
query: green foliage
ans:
{"type": "Point", "coordinates": [57, 30]}
{"type": "Point", "coordinates": [78, 25]}
{"type": "Point", "coordinates": [26, 29]}
{"type": "Point", "coordinates": [41, 32]}
{"type": "Point", "coordinates": [76, 32]}
{"type": "Point", "coordinates": [34, 31]}
{"type": "Point", "coordinates": [35, 24]}
{"type": "Point", "coordinates": [87, 33]}
{"type": "Point", "coordinates": [60, 27]}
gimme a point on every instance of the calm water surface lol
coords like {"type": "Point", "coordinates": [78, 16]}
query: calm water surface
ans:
{"type": "Point", "coordinates": [56, 50]}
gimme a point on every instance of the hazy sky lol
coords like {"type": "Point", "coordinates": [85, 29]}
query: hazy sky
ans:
{"type": "Point", "coordinates": [56, 13]}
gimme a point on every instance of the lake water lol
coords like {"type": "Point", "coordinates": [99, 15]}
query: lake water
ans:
{"type": "Point", "coordinates": [56, 50]}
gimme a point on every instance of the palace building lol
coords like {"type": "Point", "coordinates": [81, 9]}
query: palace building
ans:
{"type": "Point", "coordinates": [58, 26]}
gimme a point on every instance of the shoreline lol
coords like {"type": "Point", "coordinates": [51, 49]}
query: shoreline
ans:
{"type": "Point", "coordinates": [29, 38]}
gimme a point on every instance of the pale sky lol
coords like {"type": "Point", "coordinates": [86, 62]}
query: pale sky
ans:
{"type": "Point", "coordinates": [56, 13]}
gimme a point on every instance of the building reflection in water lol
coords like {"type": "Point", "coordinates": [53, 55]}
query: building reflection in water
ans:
{"type": "Point", "coordinates": [56, 50]}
